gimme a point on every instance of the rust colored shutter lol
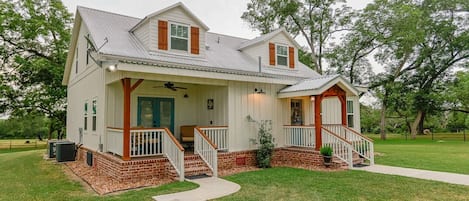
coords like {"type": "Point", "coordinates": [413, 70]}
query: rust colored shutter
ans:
{"type": "Point", "coordinates": [194, 40]}
{"type": "Point", "coordinates": [272, 54]}
{"type": "Point", "coordinates": [291, 57]}
{"type": "Point", "coordinates": [162, 35]}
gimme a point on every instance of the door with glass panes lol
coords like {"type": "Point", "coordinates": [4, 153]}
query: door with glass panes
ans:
{"type": "Point", "coordinates": [156, 112]}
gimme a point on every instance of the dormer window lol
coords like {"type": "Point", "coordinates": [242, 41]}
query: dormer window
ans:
{"type": "Point", "coordinates": [282, 56]}
{"type": "Point", "coordinates": [179, 37]}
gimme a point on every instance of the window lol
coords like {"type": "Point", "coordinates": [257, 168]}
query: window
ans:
{"type": "Point", "coordinates": [93, 124]}
{"type": "Point", "coordinates": [179, 37]}
{"type": "Point", "coordinates": [282, 55]}
{"type": "Point", "coordinates": [350, 113]}
{"type": "Point", "coordinates": [296, 107]}
{"type": "Point", "coordinates": [85, 119]}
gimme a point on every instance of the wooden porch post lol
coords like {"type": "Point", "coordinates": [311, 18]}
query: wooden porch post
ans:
{"type": "Point", "coordinates": [126, 84]}
{"type": "Point", "coordinates": [126, 134]}
{"type": "Point", "coordinates": [343, 104]}
{"type": "Point", "coordinates": [318, 120]}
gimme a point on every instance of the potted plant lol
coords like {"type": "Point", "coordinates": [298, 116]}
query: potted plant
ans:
{"type": "Point", "coordinates": [326, 152]}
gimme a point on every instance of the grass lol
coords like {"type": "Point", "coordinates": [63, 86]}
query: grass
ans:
{"type": "Point", "coordinates": [448, 152]}
{"type": "Point", "coordinates": [297, 184]}
{"type": "Point", "coordinates": [25, 176]}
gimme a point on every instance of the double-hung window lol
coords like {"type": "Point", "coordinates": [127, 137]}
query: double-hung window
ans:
{"type": "Point", "coordinates": [93, 122]}
{"type": "Point", "coordinates": [350, 113]}
{"type": "Point", "coordinates": [179, 37]}
{"type": "Point", "coordinates": [282, 55]}
{"type": "Point", "coordinates": [85, 119]}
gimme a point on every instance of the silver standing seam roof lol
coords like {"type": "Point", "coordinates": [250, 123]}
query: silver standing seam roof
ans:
{"type": "Point", "coordinates": [223, 53]}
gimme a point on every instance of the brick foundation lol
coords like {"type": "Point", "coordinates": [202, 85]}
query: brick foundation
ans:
{"type": "Point", "coordinates": [129, 171]}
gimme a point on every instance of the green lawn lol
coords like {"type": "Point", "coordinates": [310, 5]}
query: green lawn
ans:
{"type": "Point", "coordinates": [448, 152]}
{"type": "Point", "coordinates": [297, 184]}
{"type": "Point", "coordinates": [26, 176]}
{"type": "Point", "coordinates": [15, 145]}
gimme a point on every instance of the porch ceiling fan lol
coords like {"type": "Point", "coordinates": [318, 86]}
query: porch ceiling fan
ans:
{"type": "Point", "coordinates": [170, 85]}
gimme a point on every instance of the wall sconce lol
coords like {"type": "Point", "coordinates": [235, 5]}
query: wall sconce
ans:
{"type": "Point", "coordinates": [259, 91]}
{"type": "Point", "coordinates": [186, 95]}
{"type": "Point", "coordinates": [312, 98]}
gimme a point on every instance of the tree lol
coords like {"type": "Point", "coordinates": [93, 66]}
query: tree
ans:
{"type": "Point", "coordinates": [34, 39]}
{"type": "Point", "coordinates": [420, 42]}
{"type": "Point", "coordinates": [316, 21]}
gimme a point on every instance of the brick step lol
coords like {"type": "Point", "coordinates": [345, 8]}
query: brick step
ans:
{"type": "Point", "coordinates": [198, 170]}
{"type": "Point", "coordinates": [194, 165]}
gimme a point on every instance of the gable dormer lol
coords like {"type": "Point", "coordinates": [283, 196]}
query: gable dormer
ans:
{"type": "Point", "coordinates": [277, 49]}
{"type": "Point", "coordinates": [173, 30]}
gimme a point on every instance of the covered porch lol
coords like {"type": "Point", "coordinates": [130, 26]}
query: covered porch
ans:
{"type": "Point", "coordinates": [156, 115]}
{"type": "Point", "coordinates": [322, 114]}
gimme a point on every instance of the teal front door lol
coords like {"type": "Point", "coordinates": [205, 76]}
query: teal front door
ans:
{"type": "Point", "coordinates": [156, 112]}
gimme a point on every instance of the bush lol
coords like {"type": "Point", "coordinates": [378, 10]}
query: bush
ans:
{"type": "Point", "coordinates": [266, 145]}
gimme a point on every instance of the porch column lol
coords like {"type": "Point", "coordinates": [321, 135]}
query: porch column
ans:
{"type": "Point", "coordinates": [343, 104]}
{"type": "Point", "coordinates": [126, 134]}
{"type": "Point", "coordinates": [318, 120]}
{"type": "Point", "coordinates": [126, 84]}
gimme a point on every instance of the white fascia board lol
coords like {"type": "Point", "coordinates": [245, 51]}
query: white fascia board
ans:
{"type": "Point", "coordinates": [199, 74]}
{"type": "Point", "coordinates": [298, 93]}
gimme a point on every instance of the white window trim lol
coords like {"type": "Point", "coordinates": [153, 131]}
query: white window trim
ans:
{"type": "Point", "coordinates": [85, 130]}
{"type": "Point", "coordinates": [95, 99]}
{"type": "Point", "coordinates": [188, 37]}
{"type": "Point", "coordinates": [277, 55]}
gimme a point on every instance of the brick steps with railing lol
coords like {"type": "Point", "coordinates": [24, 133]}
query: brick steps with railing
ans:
{"type": "Point", "coordinates": [194, 165]}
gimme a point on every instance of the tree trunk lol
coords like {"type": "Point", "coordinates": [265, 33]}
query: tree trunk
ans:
{"type": "Point", "coordinates": [50, 132]}
{"type": "Point", "coordinates": [421, 125]}
{"type": "Point", "coordinates": [383, 121]}
{"type": "Point", "coordinates": [416, 124]}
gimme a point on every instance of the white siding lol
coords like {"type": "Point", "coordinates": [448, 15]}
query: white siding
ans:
{"type": "Point", "coordinates": [243, 101]}
{"type": "Point", "coordinates": [143, 34]}
{"type": "Point", "coordinates": [86, 85]}
{"type": "Point", "coordinates": [188, 111]}
{"type": "Point", "coordinates": [262, 50]}
{"type": "Point", "coordinates": [175, 15]}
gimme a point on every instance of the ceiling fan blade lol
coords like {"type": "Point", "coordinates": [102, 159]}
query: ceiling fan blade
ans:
{"type": "Point", "coordinates": [172, 88]}
{"type": "Point", "coordinates": [180, 87]}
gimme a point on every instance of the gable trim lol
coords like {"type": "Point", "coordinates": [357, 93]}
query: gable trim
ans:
{"type": "Point", "coordinates": [179, 4]}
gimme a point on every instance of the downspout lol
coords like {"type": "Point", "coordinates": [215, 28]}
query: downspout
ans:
{"type": "Point", "coordinates": [260, 64]}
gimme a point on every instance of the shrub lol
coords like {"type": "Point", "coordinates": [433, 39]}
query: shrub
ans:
{"type": "Point", "coordinates": [266, 145]}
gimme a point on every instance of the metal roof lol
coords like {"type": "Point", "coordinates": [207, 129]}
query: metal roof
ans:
{"type": "Point", "coordinates": [317, 85]}
{"type": "Point", "coordinates": [222, 51]}
{"type": "Point", "coordinates": [267, 37]}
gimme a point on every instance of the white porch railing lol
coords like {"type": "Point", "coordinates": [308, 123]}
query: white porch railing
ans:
{"type": "Point", "coordinates": [115, 141]}
{"type": "Point", "coordinates": [149, 142]}
{"type": "Point", "coordinates": [300, 136]}
{"type": "Point", "coordinates": [146, 142]}
{"type": "Point", "coordinates": [204, 147]}
{"type": "Point", "coordinates": [341, 148]}
{"type": "Point", "coordinates": [174, 152]}
{"type": "Point", "coordinates": [218, 135]}
{"type": "Point", "coordinates": [360, 143]}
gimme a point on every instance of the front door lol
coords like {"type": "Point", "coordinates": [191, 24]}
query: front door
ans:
{"type": "Point", "coordinates": [156, 112]}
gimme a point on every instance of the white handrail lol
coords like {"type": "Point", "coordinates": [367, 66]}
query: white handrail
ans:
{"type": "Point", "coordinates": [206, 150]}
{"type": "Point", "coordinates": [361, 144]}
{"type": "Point", "coordinates": [340, 147]}
{"type": "Point", "coordinates": [218, 135]}
{"type": "Point", "coordinates": [174, 152]}
{"type": "Point", "coordinates": [300, 136]}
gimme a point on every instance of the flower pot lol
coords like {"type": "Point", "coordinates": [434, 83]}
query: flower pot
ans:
{"type": "Point", "coordinates": [327, 160]}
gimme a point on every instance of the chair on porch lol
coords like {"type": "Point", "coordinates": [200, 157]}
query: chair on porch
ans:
{"type": "Point", "coordinates": [187, 135]}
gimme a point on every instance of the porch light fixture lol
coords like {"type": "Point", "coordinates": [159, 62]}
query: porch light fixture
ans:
{"type": "Point", "coordinates": [259, 91]}
{"type": "Point", "coordinates": [186, 95]}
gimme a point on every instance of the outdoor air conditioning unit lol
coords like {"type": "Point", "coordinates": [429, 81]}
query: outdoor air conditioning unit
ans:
{"type": "Point", "coordinates": [65, 151]}
{"type": "Point", "coordinates": [51, 148]}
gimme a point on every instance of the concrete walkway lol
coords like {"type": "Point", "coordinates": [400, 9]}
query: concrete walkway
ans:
{"type": "Point", "coordinates": [451, 178]}
{"type": "Point", "coordinates": [209, 188]}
